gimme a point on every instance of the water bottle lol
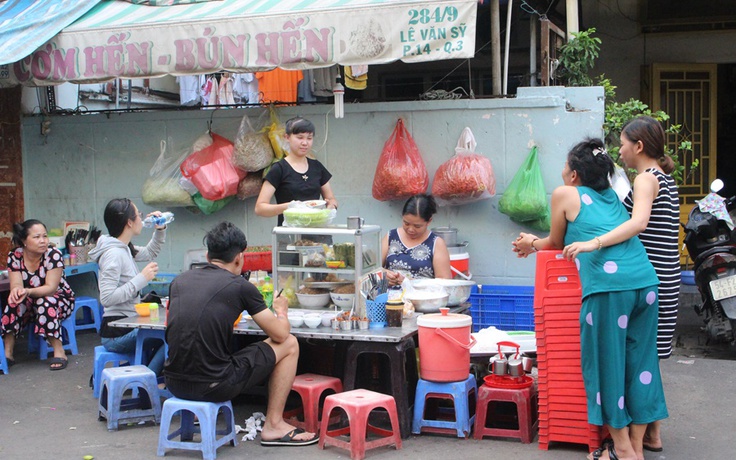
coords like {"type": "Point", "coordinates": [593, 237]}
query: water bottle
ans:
{"type": "Point", "coordinates": [163, 219]}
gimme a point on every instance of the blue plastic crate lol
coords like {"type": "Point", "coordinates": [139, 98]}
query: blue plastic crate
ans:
{"type": "Point", "coordinates": [160, 284]}
{"type": "Point", "coordinates": [508, 308]}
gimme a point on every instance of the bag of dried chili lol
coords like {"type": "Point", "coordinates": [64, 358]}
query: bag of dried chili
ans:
{"type": "Point", "coordinates": [400, 172]}
{"type": "Point", "coordinates": [466, 177]}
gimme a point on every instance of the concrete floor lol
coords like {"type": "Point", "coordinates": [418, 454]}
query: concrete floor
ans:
{"type": "Point", "coordinates": [47, 414]}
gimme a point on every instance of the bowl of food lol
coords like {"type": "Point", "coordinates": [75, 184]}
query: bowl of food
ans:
{"type": "Point", "coordinates": [342, 300]}
{"type": "Point", "coordinates": [313, 298]}
{"type": "Point", "coordinates": [427, 301]}
{"type": "Point", "coordinates": [316, 204]}
{"type": "Point", "coordinates": [458, 290]}
{"type": "Point", "coordinates": [143, 309]}
{"type": "Point", "coordinates": [312, 320]}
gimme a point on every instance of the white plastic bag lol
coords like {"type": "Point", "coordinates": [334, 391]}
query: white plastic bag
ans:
{"type": "Point", "coordinates": [162, 187]}
{"type": "Point", "coordinates": [300, 214]}
{"type": "Point", "coordinates": [620, 182]}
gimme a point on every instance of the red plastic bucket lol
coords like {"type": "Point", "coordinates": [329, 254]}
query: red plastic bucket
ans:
{"type": "Point", "coordinates": [460, 265]}
{"type": "Point", "coordinates": [444, 346]}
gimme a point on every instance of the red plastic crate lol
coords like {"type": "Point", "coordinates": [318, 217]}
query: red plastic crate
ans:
{"type": "Point", "coordinates": [543, 349]}
{"type": "Point", "coordinates": [555, 276]}
{"type": "Point", "coordinates": [258, 261]}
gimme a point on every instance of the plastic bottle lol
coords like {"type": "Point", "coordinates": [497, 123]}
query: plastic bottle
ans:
{"type": "Point", "coordinates": [164, 219]}
{"type": "Point", "coordinates": [267, 291]}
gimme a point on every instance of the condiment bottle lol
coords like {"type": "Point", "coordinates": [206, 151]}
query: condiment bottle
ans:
{"type": "Point", "coordinates": [395, 312]}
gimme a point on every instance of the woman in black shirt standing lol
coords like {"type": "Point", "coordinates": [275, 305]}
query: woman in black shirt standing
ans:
{"type": "Point", "coordinates": [296, 177]}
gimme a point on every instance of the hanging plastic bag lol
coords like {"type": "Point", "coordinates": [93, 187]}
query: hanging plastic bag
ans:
{"type": "Point", "coordinates": [525, 198]}
{"type": "Point", "coordinates": [250, 185]}
{"type": "Point", "coordinates": [277, 136]}
{"type": "Point", "coordinates": [162, 187]}
{"type": "Point", "coordinates": [210, 206]}
{"type": "Point", "coordinates": [466, 177]}
{"type": "Point", "coordinates": [620, 182]}
{"type": "Point", "coordinates": [253, 150]}
{"type": "Point", "coordinates": [211, 170]}
{"type": "Point", "coordinates": [542, 224]}
{"type": "Point", "coordinates": [400, 172]}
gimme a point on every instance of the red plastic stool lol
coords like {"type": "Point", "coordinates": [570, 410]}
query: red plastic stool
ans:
{"type": "Point", "coordinates": [525, 400]}
{"type": "Point", "coordinates": [310, 388]}
{"type": "Point", "coordinates": [358, 405]}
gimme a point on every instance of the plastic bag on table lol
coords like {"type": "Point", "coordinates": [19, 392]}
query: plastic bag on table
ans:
{"type": "Point", "coordinates": [162, 187]}
{"type": "Point", "coordinates": [620, 182]}
{"type": "Point", "coordinates": [250, 185]}
{"type": "Point", "coordinates": [400, 172]}
{"type": "Point", "coordinates": [211, 170]}
{"type": "Point", "coordinates": [525, 199]}
{"type": "Point", "coordinates": [300, 214]}
{"type": "Point", "coordinates": [253, 150]}
{"type": "Point", "coordinates": [466, 177]}
{"type": "Point", "coordinates": [209, 206]}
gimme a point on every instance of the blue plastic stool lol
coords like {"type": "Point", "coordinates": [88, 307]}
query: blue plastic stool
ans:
{"type": "Point", "coordinates": [102, 357]}
{"type": "Point", "coordinates": [112, 406]}
{"type": "Point", "coordinates": [3, 360]}
{"type": "Point", "coordinates": [206, 413]}
{"type": "Point", "coordinates": [141, 337]}
{"type": "Point", "coordinates": [91, 318]}
{"type": "Point", "coordinates": [68, 339]}
{"type": "Point", "coordinates": [462, 393]}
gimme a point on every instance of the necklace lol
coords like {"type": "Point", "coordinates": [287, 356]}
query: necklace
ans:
{"type": "Point", "coordinates": [305, 177]}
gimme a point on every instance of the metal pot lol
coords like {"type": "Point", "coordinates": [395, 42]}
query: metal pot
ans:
{"type": "Point", "coordinates": [458, 248]}
{"type": "Point", "coordinates": [515, 368]}
{"type": "Point", "coordinates": [498, 365]}
{"type": "Point", "coordinates": [449, 234]}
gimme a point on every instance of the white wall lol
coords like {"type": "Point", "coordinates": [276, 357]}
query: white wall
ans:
{"type": "Point", "coordinates": [88, 159]}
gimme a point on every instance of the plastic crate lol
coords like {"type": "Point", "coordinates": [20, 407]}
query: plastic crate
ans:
{"type": "Point", "coordinates": [508, 308]}
{"type": "Point", "coordinates": [254, 261]}
{"type": "Point", "coordinates": [160, 284]}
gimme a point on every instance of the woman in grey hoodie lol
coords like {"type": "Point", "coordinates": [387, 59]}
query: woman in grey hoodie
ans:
{"type": "Point", "coordinates": [120, 281]}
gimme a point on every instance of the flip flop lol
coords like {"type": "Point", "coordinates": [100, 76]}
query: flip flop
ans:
{"type": "Point", "coordinates": [288, 440]}
{"type": "Point", "coordinates": [652, 449]}
{"type": "Point", "coordinates": [60, 362]}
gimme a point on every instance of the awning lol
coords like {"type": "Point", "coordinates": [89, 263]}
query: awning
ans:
{"type": "Point", "coordinates": [45, 19]}
{"type": "Point", "coordinates": [117, 39]}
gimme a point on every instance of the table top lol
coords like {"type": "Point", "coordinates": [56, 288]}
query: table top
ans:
{"type": "Point", "coordinates": [385, 334]}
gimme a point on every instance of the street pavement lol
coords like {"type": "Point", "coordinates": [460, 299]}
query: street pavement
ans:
{"type": "Point", "coordinates": [46, 415]}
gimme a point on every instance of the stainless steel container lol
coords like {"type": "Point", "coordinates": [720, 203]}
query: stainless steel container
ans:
{"type": "Point", "coordinates": [449, 234]}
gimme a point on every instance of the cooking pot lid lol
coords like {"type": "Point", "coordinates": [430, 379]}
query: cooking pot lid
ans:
{"type": "Point", "coordinates": [444, 319]}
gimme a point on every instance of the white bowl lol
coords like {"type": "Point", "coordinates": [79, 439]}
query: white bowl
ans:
{"type": "Point", "coordinates": [458, 290]}
{"type": "Point", "coordinates": [313, 300]}
{"type": "Point", "coordinates": [296, 320]}
{"type": "Point", "coordinates": [312, 320]}
{"type": "Point", "coordinates": [425, 301]}
{"type": "Point", "coordinates": [343, 300]}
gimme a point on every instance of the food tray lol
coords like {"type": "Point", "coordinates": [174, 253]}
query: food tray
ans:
{"type": "Point", "coordinates": [506, 381]}
{"type": "Point", "coordinates": [327, 284]}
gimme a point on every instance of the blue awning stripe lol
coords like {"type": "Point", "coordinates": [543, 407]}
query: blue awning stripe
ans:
{"type": "Point", "coordinates": [25, 25]}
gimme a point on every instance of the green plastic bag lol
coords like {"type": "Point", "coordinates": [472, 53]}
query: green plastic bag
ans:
{"type": "Point", "coordinates": [208, 206]}
{"type": "Point", "coordinates": [525, 199]}
{"type": "Point", "coordinates": [542, 224]}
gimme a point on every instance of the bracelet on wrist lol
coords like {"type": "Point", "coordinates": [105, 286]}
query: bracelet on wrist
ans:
{"type": "Point", "coordinates": [600, 244]}
{"type": "Point", "coordinates": [532, 245]}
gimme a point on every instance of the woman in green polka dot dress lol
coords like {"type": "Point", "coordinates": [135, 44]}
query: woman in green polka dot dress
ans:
{"type": "Point", "coordinates": [618, 318]}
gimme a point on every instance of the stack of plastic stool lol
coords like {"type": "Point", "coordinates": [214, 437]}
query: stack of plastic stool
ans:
{"type": "Point", "coordinates": [358, 405]}
{"type": "Point", "coordinates": [68, 339]}
{"type": "Point", "coordinates": [112, 406]}
{"type": "Point", "coordinates": [102, 357]}
{"type": "Point", "coordinates": [563, 410]}
{"type": "Point", "coordinates": [310, 388]}
{"type": "Point", "coordinates": [206, 413]}
{"type": "Point", "coordinates": [91, 313]}
{"type": "Point", "coordinates": [462, 394]}
{"type": "Point", "coordinates": [525, 399]}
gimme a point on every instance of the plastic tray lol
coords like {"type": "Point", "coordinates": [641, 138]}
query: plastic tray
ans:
{"type": "Point", "coordinates": [258, 261]}
{"type": "Point", "coordinates": [160, 284]}
{"type": "Point", "coordinates": [508, 308]}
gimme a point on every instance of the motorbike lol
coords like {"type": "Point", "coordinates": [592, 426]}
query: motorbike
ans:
{"type": "Point", "coordinates": [710, 239]}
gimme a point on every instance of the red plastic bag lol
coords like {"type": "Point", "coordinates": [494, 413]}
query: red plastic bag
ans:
{"type": "Point", "coordinates": [466, 177]}
{"type": "Point", "coordinates": [400, 172]}
{"type": "Point", "coordinates": [211, 170]}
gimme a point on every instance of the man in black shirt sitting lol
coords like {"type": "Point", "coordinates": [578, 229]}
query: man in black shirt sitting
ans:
{"type": "Point", "coordinates": [204, 304]}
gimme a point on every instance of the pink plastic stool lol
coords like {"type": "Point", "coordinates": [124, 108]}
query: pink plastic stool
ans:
{"type": "Point", "coordinates": [310, 388]}
{"type": "Point", "coordinates": [526, 402]}
{"type": "Point", "coordinates": [358, 405]}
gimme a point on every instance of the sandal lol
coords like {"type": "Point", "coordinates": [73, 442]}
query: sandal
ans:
{"type": "Point", "coordinates": [57, 364]}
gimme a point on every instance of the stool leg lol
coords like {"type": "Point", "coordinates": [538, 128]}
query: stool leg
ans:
{"type": "Point", "coordinates": [187, 425]}
{"type": "Point", "coordinates": [419, 405]}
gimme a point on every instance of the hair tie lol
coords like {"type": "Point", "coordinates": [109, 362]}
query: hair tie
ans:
{"type": "Point", "coordinates": [599, 150]}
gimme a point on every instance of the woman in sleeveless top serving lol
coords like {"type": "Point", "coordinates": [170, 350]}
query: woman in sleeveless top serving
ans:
{"type": "Point", "coordinates": [412, 249]}
{"type": "Point", "coordinates": [655, 216]}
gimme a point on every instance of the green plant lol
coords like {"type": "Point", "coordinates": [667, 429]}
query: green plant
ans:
{"type": "Point", "coordinates": [577, 58]}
